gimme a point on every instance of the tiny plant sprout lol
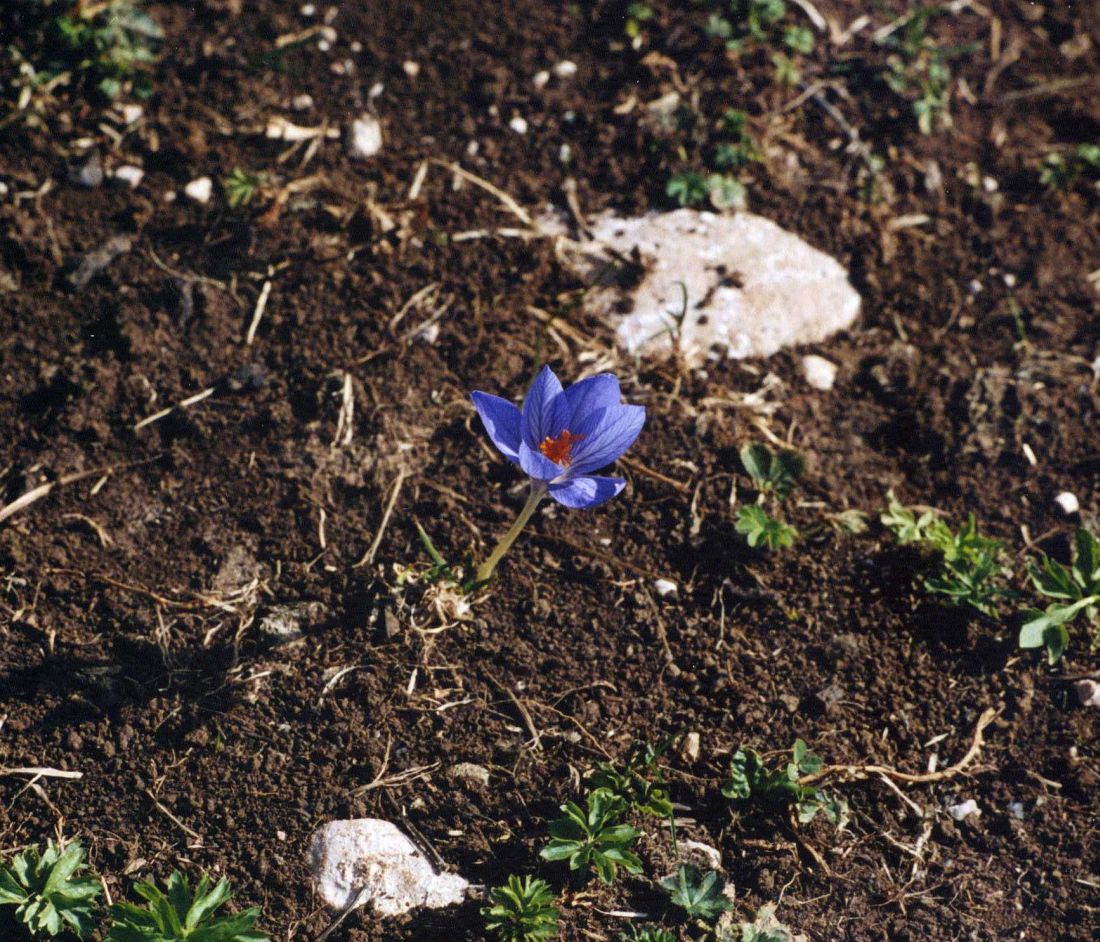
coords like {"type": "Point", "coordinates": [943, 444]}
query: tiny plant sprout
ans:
{"type": "Point", "coordinates": [522, 911]}
{"type": "Point", "coordinates": [558, 439]}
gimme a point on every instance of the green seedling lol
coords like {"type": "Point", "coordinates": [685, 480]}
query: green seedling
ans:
{"type": "Point", "coordinates": [48, 896]}
{"type": "Point", "coordinates": [760, 530]}
{"type": "Point", "coordinates": [751, 782]}
{"type": "Point", "coordinates": [972, 566]}
{"type": "Point", "coordinates": [638, 784]}
{"type": "Point", "coordinates": [688, 188]}
{"type": "Point", "coordinates": [1075, 590]}
{"type": "Point", "coordinates": [180, 915]}
{"type": "Point", "coordinates": [698, 894]}
{"type": "Point", "coordinates": [637, 14]}
{"type": "Point", "coordinates": [522, 911]}
{"type": "Point", "coordinates": [1059, 172]}
{"type": "Point", "coordinates": [918, 69]}
{"type": "Point", "coordinates": [746, 21]}
{"type": "Point", "coordinates": [648, 934]}
{"type": "Point", "coordinates": [241, 186]}
{"type": "Point", "coordinates": [108, 46]}
{"type": "Point", "coordinates": [594, 836]}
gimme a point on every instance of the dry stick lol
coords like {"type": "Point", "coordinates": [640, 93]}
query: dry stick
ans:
{"type": "Point", "coordinates": [37, 772]}
{"type": "Point", "coordinates": [635, 465]}
{"type": "Point", "coordinates": [261, 304]}
{"type": "Point", "coordinates": [536, 736]}
{"type": "Point", "coordinates": [368, 556]}
{"type": "Point", "coordinates": [37, 493]}
{"type": "Point", "coordinates": [194, 835]}
{"type": "Point", "coordinates": [183, 404]}
{"type": "Point", "coordinates": [863, 771]}
{"type": "Point", "coordinates": [518, 211]}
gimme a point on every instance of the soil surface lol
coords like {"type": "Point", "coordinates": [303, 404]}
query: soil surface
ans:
{"type": "Point", "coordinates": [137, 643]}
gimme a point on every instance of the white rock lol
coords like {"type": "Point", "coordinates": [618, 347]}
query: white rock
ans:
{"type": "Point", "coordinates": [303, 102]}
{"type": "Point", "coordinates": [963, 809]}
{"type": "Point", "coordinates": [819, 372]}
{"type": "Point", "coordinates": [412, 69]}
{"type": "Point", "coordinates": [130, 113]}
{"type": "Point", "coordinates": [471, 772]}
{"type": "Point", "coordinates": [3, 188]}
{"type": "Point", "coordinates": [129, 176]}
{"type": "Point", "coordinates": [565, 69]}
{"type": "Point", "coordinates": [540, 80]}
{"type": "Point", "coordinates": [751, 287]}
{"type": "Point", "coordinates": [200, 190]}
{"type": "Point", "coordinates": [375, 90]}
{"type": "Point", "coordinates": [1068, 503]}
{"type": "Point", "coordinates": [565, 153]}
{"type": "Point", "coordinates": [308, 9]}
{"type": "Point", "coordinates": [709, 857]}
{"type": "Point", "coordinates": [369, 861]}
{"type": "Point", "coordinates": [364, 137]}
{"type": "Point", "coordinates": [1088, 693]}
{"type": "Point", "coordinates": [518, 124]}
{"type": "Point", "coordinates": [689, 748]}
{"type": "Point", "coordinates": [665, 587]}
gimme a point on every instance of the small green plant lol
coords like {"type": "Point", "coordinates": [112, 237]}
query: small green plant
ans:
{"type": "Point", "coordinates": [637, 14]}
{"type": "Point", "coordinates": [180, 915]}
{"type": "Point", "coordinates": [745, 22]}
{"type": "Point", "coordinates": [1059, 172]}
{"type": "Point", "coordinates": [751, 782]}
{"type": "Point", "coordinates": [108, 46]}
{"type": "Point", "coordinates": [698, 894]}
{"type": "Point", "coordinates": [638, 784]}
{"type": "Point", "coordinates": [594, 836]}
{"type": "Point", "coordinates": [648, 934]}
{"type": "Point", "coordinates": [918, 69]}
{"type": "Point", "coordinates": [46, 892]}
{"type": "Point", "coordinates": [688, 188]}
{"type": "Point", "coordinates": [972, 566]}
{"type": "Point", "coordinates": [522, 911]}
{"type": "Point", "coordinates": [241, 186]}
{"type": "Point", "coordinates": [774, 475]}
{"type": "Point", "coordinates": [1075, 590]}
{"type": "Point", "coordinates": [764, 928]}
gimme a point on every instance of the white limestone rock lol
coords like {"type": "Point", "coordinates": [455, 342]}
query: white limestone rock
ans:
{"type": "Point", "coordinates": [819, 372]}
{"type": "Point", "coordinates": [369, 861]}
{"type": "Point", "coordinates": [363, 138]}
{"type": "Point", "coordinates": [751, 287]}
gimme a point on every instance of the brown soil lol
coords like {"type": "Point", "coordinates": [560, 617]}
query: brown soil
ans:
{"type": "Point", "coordinates": [131, 646]}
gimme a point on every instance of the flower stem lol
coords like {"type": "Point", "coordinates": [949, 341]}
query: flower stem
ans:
{"type": "Point", "coordinates": [485, 570]}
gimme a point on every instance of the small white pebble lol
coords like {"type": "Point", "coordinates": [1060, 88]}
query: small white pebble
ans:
{"type": "Point", "coordinates": [666, 587]}
{"type": "Point", "coordinates": [565, 69]}
{"type": "Point", "coordinates": [1088, 693]}
{"type": "Point", "coordinates": [1016, 809]}
{"type": "Point", "coordinates": [472, 148]}
{"type": "Point", "coordinates": [990, 185]}
{"type": "Point", "coordinates": [565, 153]}
{"type": "Point", "coordinates": [1068, 503]}
{"type": "Point", "coordinates": [200, 190]}
{"type": "Point", "coordinates": [975, 287]}
{"type": "Point", "coordinates": [375, 90]}
{"type": "Point", "coordinates": [1010, 279]}
{"type": "Point", "coordinates": [129, 176]}
{"type": "Point", "coordinates": [308, 9]}
{"type": "Point", "coordinates": [170, 196]}
{"type": "Point", "coordinates": [540, 80]}
{"type": "Point", "coordinates": [3, 188]}
{"type": "Point", "coordinates": [130, 113]}
{"type": "Point", "coordinates": [518, 124]}
{"type": "Point", "coordinates": [412, 69]}
{"type": "Point", "coordinates": [356, 46]}
{"type": "Point", "coordinates": [964, 809]}
{"type": "Point", "coordinates": [324, 45]}
{"type": "Point", "coordinates": [819, 372]}
{"type": "Point", "coordinates": [302, 102]}
{"type": "Point", "coordinates": [281, 835]}
{"type": "Point", "coordinates": [364, 137]}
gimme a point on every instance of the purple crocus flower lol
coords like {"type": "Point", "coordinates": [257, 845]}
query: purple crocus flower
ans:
{"type": "Point", "coordinates": [561, 436]}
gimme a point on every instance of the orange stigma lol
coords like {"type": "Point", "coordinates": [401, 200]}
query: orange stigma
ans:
{"type": "Point", "coordinates": [559, 450]}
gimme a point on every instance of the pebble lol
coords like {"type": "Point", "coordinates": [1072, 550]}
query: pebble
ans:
{"type": "Point", "coordinates": [129, 176]}
{"type": "Point", "coordinates": [88, 173]}
{"type": "Point", "coordinates": [284, 622]}
{"type": "Point", "coordinates": [200, 190]}
{"type": "Point", "coordinates": [540, 80]}
{"type": "Point", "coordinates": [369, 861]}
{"type": "Point", "coordinates": [363, 139]}
{"type": "Point", "coordinates": [1088, 693]}
{"type": "Point", "coordinates": [963, 809]}
{"type": "Point", "coordinates": [1016, 809]}
{"type": "Point", "coordinates": [303, 102]}
{"type": "Point", "coordinates": [518, 124]}
{"type": "Point", "coordinates": [131, 114]}
{"type": "Point", "coordinates": [666, 588]}
{"type": "Point", "coordinates": [1068, 503]}
{"type": "Point", "coordinates": [412, 69]}
{"type": "Point", "coordinates": [469, 771]}
{"type": "Point", "coordinates": [689, 748]}
{"type": "Point", "coordinates": [819, 372]}
{"type": "Point", "coordinates": [828, 697]}
{"type": "Point", "coordinates": [565, 69]}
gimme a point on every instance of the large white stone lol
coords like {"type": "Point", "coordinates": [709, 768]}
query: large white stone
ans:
{"type": "Point", "coordinates": [369, 861]}
{"type": "Point", "coordinates": [751, 287]}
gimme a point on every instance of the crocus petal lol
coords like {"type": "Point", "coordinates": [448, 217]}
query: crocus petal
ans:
{"type": "Point", "coordinates": [586, 491]}
{"type": "Point", "coordinates": [605, 434]}
{"type": "Point", "coordinates": [538, 408]}
{"type": "Point", "coordinates": [587, 396]}
{"type": "Point", "coordinates": [537, 465]}
{"type": "Point", "coordinates": [502, 420]}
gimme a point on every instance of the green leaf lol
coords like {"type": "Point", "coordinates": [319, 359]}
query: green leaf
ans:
{"type": "Point", "coordinates": [206, 904]}
{"type": "Point", "coordinates": [699, 895]}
